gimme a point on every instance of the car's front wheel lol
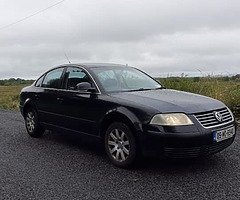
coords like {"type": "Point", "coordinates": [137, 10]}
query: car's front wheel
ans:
{"type": "Point", "coordinates": [32, 125]}
{"type": "Point", "coordinates": [120, 145]}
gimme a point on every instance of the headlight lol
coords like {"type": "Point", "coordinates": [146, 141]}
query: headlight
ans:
{"type": "Point", "coordinates": [174, 119]}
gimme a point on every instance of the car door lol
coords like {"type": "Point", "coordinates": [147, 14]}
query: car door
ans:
{"type": "Point", "coordinates": [79, 107]}
{"type": "Point", "coordinates": [47, 100]}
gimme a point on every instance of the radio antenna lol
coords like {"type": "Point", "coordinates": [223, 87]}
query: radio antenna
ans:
{"type": "Point", "coordinates": [67, 58]}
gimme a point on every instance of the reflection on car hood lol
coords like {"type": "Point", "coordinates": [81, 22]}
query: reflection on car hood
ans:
{"type": "Point", "coordinates": [166, 100]}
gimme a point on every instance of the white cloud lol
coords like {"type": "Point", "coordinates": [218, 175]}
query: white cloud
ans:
{"type": "Point", "coordinates": [159, 37]}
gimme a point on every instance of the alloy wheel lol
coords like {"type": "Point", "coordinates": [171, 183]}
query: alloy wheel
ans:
{"type": "Point", "coordinates": [30, 122]}
{"type": "Point", "coordinates": [118, 144]}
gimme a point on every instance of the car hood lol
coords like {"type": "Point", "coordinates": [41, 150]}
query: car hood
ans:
{"type": "Point", "coordinates": [166, 100]}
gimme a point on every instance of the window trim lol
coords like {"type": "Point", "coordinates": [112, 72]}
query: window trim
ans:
{"type": "Point", "coordinates": [62, 80]}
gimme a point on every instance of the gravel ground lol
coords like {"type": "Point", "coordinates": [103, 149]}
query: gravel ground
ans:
{"type": "Point", "coordinates": [61, 166]}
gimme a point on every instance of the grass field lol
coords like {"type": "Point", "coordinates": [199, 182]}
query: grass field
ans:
{"type": "Point", "coordinates": [9, 96]}
{"type": "Point", "coordinates": [223, 89]}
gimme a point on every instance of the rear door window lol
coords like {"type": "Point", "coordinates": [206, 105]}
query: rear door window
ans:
{"type": "Point", "coordinates": [53, 79]}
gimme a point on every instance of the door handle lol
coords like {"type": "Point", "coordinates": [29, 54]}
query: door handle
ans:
{"type": "Point", "coordinates": [60, 99]}
{"type": "Point", "coordinates": [37, 96]}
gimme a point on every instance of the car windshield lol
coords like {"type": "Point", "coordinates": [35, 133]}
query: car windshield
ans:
{"type": "Point", "coordinates": [124, 79]}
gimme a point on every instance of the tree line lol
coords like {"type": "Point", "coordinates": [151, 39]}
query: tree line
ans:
{"type": "Point", "coordinates": [15, 81]}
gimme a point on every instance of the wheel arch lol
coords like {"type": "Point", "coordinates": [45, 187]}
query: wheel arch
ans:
{"type": "Point", "coordinates": [121, 115]}
{"type": "Point", "coordinates": [28, 104]}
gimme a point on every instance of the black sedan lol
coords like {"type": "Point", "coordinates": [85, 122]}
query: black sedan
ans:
{"type": "Point", "coordinates": [127, 109]}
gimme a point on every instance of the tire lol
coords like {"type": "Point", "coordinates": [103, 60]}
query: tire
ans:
{"type": "Point", "coordinates": [120, 145]}
{"type": "Point", "coordinates": [32, 125]}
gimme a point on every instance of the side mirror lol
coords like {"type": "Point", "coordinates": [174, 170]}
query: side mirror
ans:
{"type": "Point", "coordinates": [85, 86]}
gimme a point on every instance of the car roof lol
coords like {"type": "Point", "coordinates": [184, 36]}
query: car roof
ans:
{"type": "Point", "coordinates": [95, 65]}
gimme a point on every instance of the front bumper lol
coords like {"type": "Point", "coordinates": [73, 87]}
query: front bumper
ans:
{"type": "Point", "coordinates": [182, 142]}
{"type": "Point", "coordinates": [197, 151]}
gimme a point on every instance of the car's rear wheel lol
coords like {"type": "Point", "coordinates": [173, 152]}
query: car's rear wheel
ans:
{"type": "Point", "coordinates": [120, 145]}
{"type": "Point", "coordinates": [32, 125]}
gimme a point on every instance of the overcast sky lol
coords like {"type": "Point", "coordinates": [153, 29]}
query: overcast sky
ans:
{"type": "Point", "coordinates": [160, 37]}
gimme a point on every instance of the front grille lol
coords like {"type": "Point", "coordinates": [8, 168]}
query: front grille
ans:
{"type": "Point", "coordinates": [208, 119]}
{"type": "Point", "coordinates": [193, 152]}
{"type": "Point", "coordinates": [182, 152]}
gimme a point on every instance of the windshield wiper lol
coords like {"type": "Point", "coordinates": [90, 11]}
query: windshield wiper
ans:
{"type": "Point", "coordinates": [145, 89]}
{"type": "Point", "coordinates": [140, 89]}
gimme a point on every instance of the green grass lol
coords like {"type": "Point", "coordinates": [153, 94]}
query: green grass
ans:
{"type": "Point", "coordinates": [9, 96]}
